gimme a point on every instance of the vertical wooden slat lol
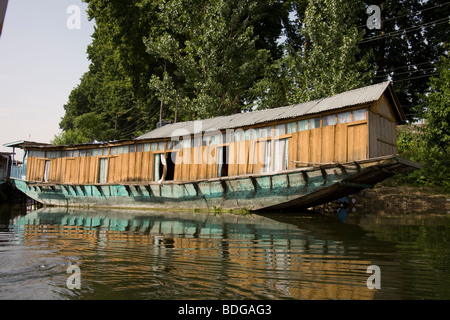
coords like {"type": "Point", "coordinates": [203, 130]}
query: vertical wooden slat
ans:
{"type": "Point", "coordinates": [340, 148]}
{"type": "Point", "coordinates": [303, 146]}
{"type": "Point", "coordinates": [327, 144]}
{"type": "Point", "coordinates": [131, 166]}
{"type": "Point", "coordinates": [315, 145]}
{"type": "Point", "coordinates": [138, 166]}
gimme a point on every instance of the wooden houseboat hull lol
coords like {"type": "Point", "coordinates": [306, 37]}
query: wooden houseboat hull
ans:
{"type": "Point", "coordinates": [287, 190]}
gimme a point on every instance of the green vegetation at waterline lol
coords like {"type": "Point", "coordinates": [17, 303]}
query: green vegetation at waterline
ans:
{"type": "Point", "coordinates": [429, 144]}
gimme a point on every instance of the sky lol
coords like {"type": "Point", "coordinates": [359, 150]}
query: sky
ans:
{"type": "Point", "coordinates": [42, 58]}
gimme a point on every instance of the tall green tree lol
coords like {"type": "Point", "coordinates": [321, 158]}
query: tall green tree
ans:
{"type": "Point", "coordinates": [326, 62]}
{"type": "Point", "coordinates": [437, 107]}
{"type": "Point", "coordinates": [329, 62]}
{"type": "Point", "coordinates": [221, 47]}
{"type": "Point", "coordinates": [210, 56]}
{"type": "Point", "coordinates": [407, 46]}
{"type": "Point", "coordinates": [115, 88]}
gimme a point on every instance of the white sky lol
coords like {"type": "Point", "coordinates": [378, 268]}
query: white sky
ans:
{"type": "Point", "coordinates": [41, 61]}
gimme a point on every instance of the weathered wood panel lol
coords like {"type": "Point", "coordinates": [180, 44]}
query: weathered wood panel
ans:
{"type": "Point", "coordinates": [315, 145]}
{"type": "Point", "coordinates": [303, 146]}
{"type": "Point", "coordinates": [383, 136]}
{"type": "Point", "coordinates": [340, 147]}
{"type": "Point", "coordinates": [328, 144]}
{"type": "Point", "coordinates": [357, 142]}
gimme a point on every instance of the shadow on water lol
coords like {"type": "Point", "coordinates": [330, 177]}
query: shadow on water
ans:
{"type": "Point", "coordinates": [172, 255]}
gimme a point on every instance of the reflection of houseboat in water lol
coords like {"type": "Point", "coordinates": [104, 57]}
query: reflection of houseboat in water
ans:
{"type": "Point", "coordinates": [291, 157]}
{"type": "Point", "coordinates": [244, 252]}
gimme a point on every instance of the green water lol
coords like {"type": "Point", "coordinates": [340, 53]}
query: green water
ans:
{"type": "Point", "coordinates": [169, 255]}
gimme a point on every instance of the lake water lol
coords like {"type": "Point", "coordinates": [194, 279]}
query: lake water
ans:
{"type": "Point", "coordinates": [117, 254]}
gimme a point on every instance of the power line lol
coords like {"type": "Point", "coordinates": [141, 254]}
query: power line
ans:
{"type": "Point", "coordinates": [413, 78]}
{"type": "Point", "coordinates": [406, 30]}
{"type": "Point", "coordinates": [407, 72]}
{"type": "Point", "coordinates": [411, 13]}
{"type": "Point", "coordinates": [411, 65]}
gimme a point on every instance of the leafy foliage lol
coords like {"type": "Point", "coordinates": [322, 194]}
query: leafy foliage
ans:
{"type": "Point", "coordinates": [194, 59]}
{"type": "Point", "coordinates": [407, 47]}
{"type": "Point", "coordinates": [437, 107]}
{"type": "Point", "coordinates": [208, 69]}
{"type": "Point", "coordinates": [326, 62]}
{"type": "Point", "coordinates": [435, 161]}
{"type": "Point", "coordinates": [429, 144]}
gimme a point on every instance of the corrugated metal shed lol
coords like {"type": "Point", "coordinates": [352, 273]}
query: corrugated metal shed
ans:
{"type": "Point", "coordinates": [350, 98]}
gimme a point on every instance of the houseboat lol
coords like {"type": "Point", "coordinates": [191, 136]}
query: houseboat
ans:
{"type": "Point", "coordinates": [286, 158]}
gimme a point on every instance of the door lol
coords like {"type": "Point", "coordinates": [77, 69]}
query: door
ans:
{"type": "Point", "coordinates": [222, 161]}
{"type": "Point", "coordinates": [280, 155]}
{"type": "Point", "coordinates": [46, 171]}
{"type": "Point", "coordinates": [103, 170]}
{"type": "Point", "coordinates": [357, 142]}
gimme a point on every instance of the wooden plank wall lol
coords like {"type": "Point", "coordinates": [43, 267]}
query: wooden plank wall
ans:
{"type": "Point", "coordinates": [383, 133]}
{"type": "Point", "coordinates": [336, 143]}
{"type": "Point", "coordinates": [373, 137]}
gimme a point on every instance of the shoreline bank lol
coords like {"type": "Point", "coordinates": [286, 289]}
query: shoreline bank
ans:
{"type": "Point", "coordinates": [403, 198]}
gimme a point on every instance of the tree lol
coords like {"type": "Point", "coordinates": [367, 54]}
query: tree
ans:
{"type": "Point", "coordinates": [221, 48]}
{"type": "Point", "coordinates": [430, 144]}
{"type": "Point", "coordinates": [210, 54]}
{"type": "Point", "coordinates": [437, 114]}
{"type": "Point", "coordinates": [327, 62]}
{"type": "Point", "coordinates": [407, 47]}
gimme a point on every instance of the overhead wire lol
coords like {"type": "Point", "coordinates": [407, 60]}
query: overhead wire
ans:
{"type": "Point", "coordinates": [410, 13]}
{"type": "Point", "coordinates": [404, 31]}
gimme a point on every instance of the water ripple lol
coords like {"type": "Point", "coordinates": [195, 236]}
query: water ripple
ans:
{"type": "Point", "coordinates": [172, 256]}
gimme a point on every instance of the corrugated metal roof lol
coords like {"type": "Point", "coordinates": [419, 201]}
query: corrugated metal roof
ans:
{"type": "Point", "coordinates": [350, 98]}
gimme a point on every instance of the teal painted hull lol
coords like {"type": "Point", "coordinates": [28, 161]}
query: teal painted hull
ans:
{"type": "Point", "coordinates": [292, 189]}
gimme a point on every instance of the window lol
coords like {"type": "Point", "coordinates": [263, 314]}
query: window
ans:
{"type": "Point", "coordinates": [248, 134]}
{"type": "Point", "coordinates": [186, 142]}
{"type": "Point", "coordinates": [329, 120]}
{"type": "Point", "coordinates": [252, 134]}
{"type": "Point", "coordinates": [196, 142]}
{"type": "Point", "coordinates": [303, 125]}
{"type": "Point", "coordinates": [267, 156]}
{"type": "Point", "coordinates": [280, 154]}
{"type": "Point", "coordinates": [237, 135]}
{"type": "Point", "coordinates": [314, 123]}
{"type": "Point", "coordinates": [265, 132]}
{"type": "Point", "coordinates": [280, 129]}
{"type": "Point", "coordinates": [359, 114]}
{"type": "Point", "coordinates": [344, 117]}
{"type": "Point", "coordinates": [291, 127]}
